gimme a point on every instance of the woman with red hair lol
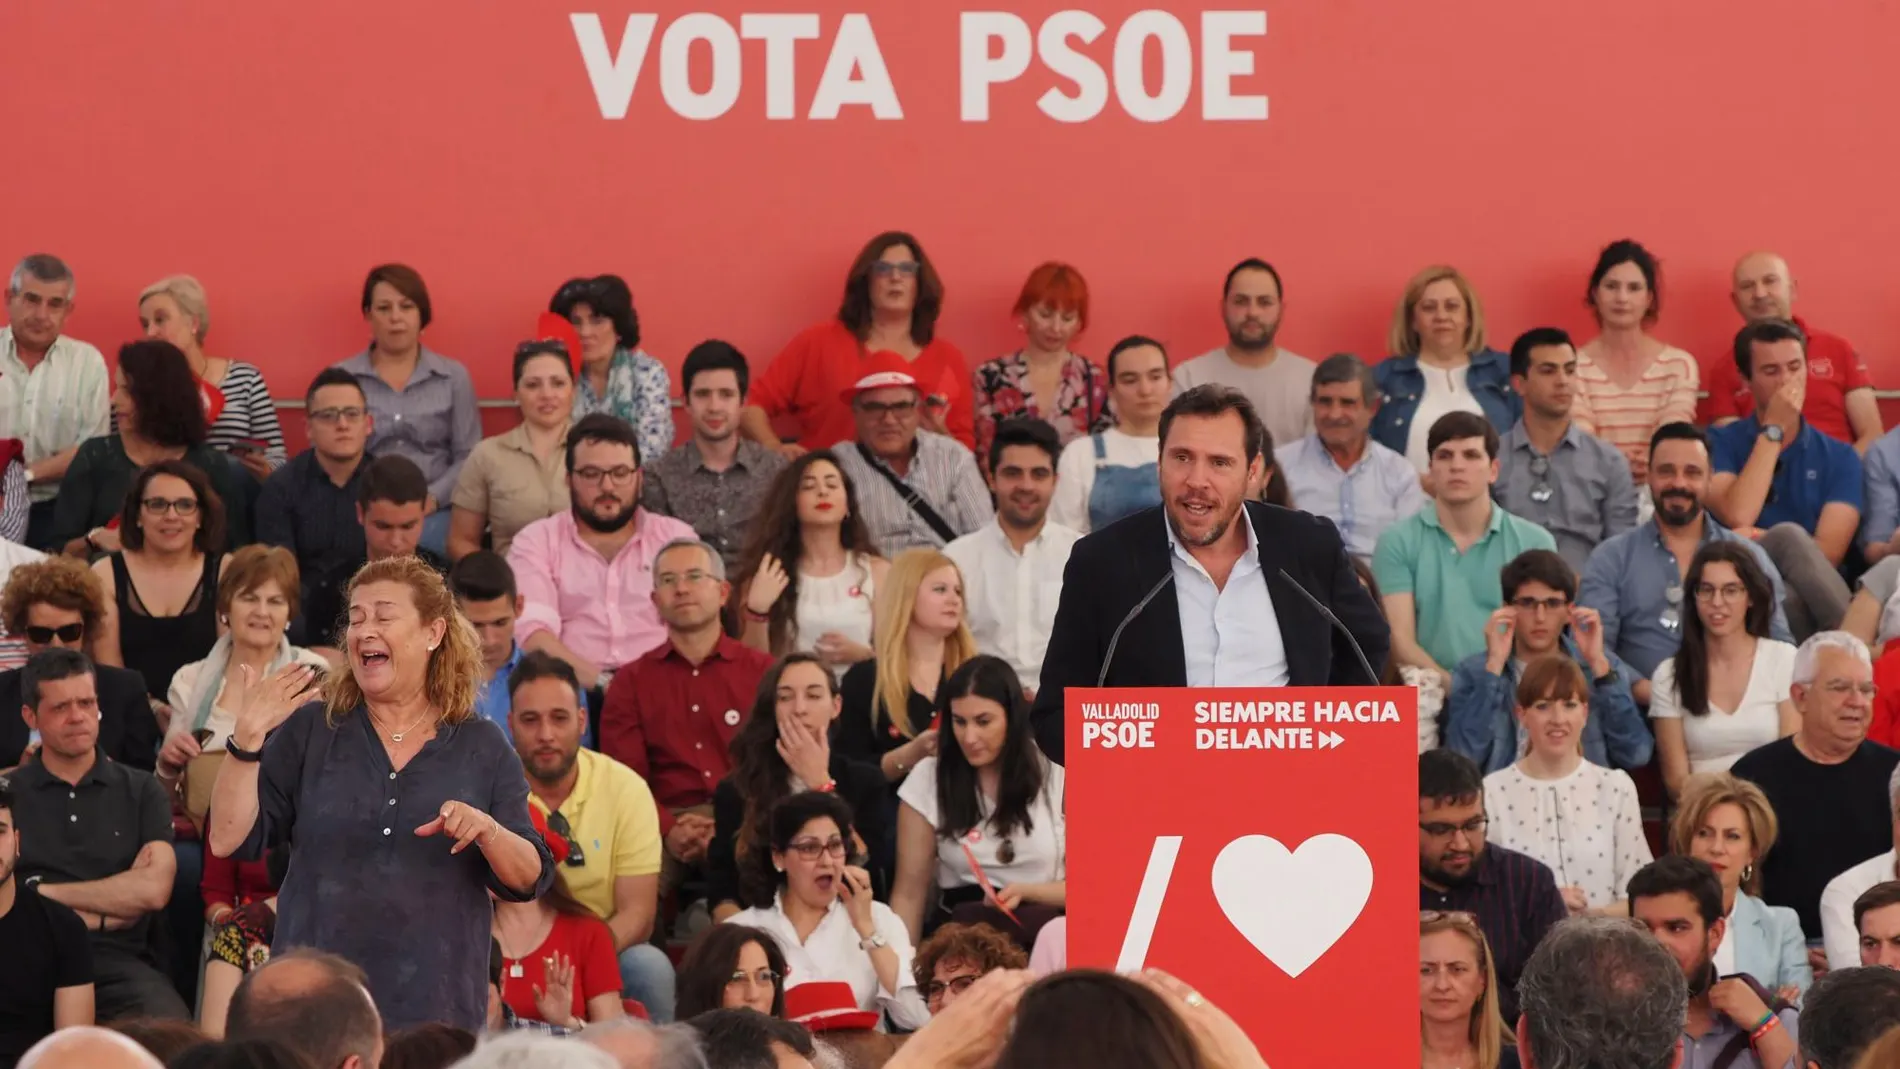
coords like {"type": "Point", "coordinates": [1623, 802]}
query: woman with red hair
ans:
{"type": "Point", "coordinates": [1043, 379]}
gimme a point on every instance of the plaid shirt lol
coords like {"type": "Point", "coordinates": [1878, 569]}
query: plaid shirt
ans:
{"type": "Point", "coordinates": [942, 472]}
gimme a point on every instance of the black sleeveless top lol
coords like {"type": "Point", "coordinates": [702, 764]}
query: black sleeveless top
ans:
{"type": "Point", "coordinates": [158, 646]}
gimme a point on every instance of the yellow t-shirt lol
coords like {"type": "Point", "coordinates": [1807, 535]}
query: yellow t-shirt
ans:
{"type": "Point", "coordinates": [615, 824]}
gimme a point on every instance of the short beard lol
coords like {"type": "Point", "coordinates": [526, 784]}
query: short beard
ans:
{"type": "Point", "coordinates": [1247, 346]}
{"type": "Point", "coordinates": [610, 525]}
{"type": "Point", "coordinates": [559, 774]}
{"type": "Point", "coordinates": [1703, 979]}
{"type": "Point", "coordinates": [1213, 535]}
{"type": "Point", "coordinates": [1446, 879]}
{"type": "Point", "coordinates": [1663, 516]}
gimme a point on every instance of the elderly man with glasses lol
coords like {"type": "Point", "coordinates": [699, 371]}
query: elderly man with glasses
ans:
{"type": "Point", "coordinates": [915, 487]}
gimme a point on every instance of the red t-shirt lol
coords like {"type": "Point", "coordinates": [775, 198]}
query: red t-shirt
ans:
{"type": "Point", "coordinates": [1833, 369]}
{"type": "Point", "coordinates": [587, 942]}
{"type": "Point", "coordinates": [1884, 727]}
{"type": "Point", "coordinates": [806, 379]}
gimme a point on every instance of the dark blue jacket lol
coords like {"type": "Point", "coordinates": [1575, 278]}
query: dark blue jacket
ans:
{"type": "Point", "coordinates": [1401, 384]}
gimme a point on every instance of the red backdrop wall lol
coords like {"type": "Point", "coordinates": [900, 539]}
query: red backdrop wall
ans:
{"type": "Point", "coordinates": [278, 150]}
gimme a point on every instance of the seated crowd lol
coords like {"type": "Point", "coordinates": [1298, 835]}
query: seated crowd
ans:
{"type": "Point", "coordinates": [770, 696]}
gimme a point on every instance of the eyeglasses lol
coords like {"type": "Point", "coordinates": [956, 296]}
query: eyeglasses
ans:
{"type": "Point", "coordinates": [936, 989]}
{"type": "Point", "coordinates": [559, 826]}
{"type": "Point", "coordinates": [593, 476]}
{"type": "Point", "coordinates": [42, 636]}
{"type": "Point", "coordinates": [809, 849]}
{"type": "Point", "coordinates": [1540, 604]}
{"type": "Point", "coordinates": [1433, 916]}
{"type": "Point", "coordinates": [1541, 491]}
{"type": "Point", "coordinates": [1841, 688]}
{"type": "Point", "coordinates": [1440, 830]}
{"type": "Point", "coordinates": [880, 409]}
{"type": "Point", "coordinates": [1726, 592]}
{"type": "Point", "coordinates": [885, 268]}
{"type": "Point", "coordinates": [159, 506]}
{"type": "Point", "coordinates": [763, 978]}
{"type": "Point", "coordinates": [692, 577]}
{"type": "Point", "coordinates": [351, 414]}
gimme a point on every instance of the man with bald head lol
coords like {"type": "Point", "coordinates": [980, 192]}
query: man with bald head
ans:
{"type": "Point", "coordinates": [314, 1003]}
{"type": "Point", "coordinates": [1840, 396]}
{"type": "Point", "coordinates": [87, 1047]}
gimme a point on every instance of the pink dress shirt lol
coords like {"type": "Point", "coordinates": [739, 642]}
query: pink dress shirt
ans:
{"type": "Point", "coordinates": [601, 609]}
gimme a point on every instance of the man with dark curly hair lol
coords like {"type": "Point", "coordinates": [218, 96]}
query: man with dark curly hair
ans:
{"type": "Point", "coordinates": [58, 603]}
{"type": "Point", "coordinates": [956, 955]}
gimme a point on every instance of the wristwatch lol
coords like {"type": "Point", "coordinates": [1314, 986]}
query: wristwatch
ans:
{"type": "Point", "coordinates": [1773, 433]}
{"type": "Point", "coordinates": [873, 941]}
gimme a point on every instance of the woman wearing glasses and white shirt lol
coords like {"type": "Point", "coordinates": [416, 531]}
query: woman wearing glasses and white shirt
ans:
{"type": "Point", "coordinates": [1726, 691]}
{"type": "Point", "coordinates": [1579, 818]}
{"type": "Point", "coordinates": [824, 918]}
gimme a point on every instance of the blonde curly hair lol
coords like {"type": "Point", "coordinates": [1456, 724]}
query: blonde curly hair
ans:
{"type": "Point", "coordinates": [455, 667]}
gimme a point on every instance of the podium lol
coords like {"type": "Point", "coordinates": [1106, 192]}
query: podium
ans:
{"type": "Point", "coordinates": [1260, 844]}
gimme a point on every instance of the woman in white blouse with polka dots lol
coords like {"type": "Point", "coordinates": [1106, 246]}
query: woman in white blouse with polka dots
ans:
{"type": "Point", "coordinates": [1580, 819]}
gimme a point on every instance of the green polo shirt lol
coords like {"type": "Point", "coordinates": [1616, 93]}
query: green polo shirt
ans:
{"type": "Point", "coordinates": [1453, 593]}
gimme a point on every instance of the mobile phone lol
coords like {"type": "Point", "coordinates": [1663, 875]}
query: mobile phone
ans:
{"type": "Point", "coordinates": [250, 445]}
{"type": "Point", "coordinates": [201, 736]}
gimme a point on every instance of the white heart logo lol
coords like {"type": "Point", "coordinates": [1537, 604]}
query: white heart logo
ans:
{"type": "Point", "coordinates": [1292, 905]}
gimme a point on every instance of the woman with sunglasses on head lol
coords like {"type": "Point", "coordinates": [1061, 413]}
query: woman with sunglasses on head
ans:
{"type": "Point", "coordinates": [59, 602]}
{"type": "Point", "coordinates": [809, 573]}
{"type": "Point", "coordinates": [1727, 690]}
{"type": "Point", "coordinates": [164, 611]}
{"type": "Point", "coordinates": [159, 415]}
{"type": "Point", "coordinates": [520, 476]}
{"type": "Point", "coordinates": [823, 915]}
{"type": "Point", "coordinates": [1460, 1024]}
{"type": "Point", "coordinates": [892, 297]}
{"type": "Point", "coordinates": [558, 963]}
{"type": "Point", "coordinates": [616, 376]}
{"type": "Point", "coordinates": [981, 821]}
{"type": "Point", "coordinates": [731, 966]}
{"type": "Point", "coordinates": [784, 749]}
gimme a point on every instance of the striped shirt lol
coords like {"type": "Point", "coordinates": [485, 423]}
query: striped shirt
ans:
{"type": "Point", "coordinates": [942, 473]}
{"type": "Point", "coordinates": [1516, 901]}
{"type": "Point", "coordinates": [1625, 418]}
{"type": "Point", "coordinates": [248, 414]}
{"type": "Point", "coordinates": [60, 403]}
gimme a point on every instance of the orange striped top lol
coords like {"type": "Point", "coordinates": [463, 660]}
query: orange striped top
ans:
{"type": "Point", "coordinates": [1625, 418]}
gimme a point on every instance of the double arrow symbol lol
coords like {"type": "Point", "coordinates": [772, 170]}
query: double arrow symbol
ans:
{"type": "Point", "coordinates": [1330, 739]}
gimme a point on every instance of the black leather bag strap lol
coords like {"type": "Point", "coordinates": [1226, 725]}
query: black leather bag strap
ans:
{"type": "Point", "coordinates": [911, 497]}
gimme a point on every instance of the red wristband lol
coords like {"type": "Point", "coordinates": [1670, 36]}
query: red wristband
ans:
{"type": "Point", "coordinates": [830, 786]}
{"type": "Point", "coordinates": [1770, 1025]}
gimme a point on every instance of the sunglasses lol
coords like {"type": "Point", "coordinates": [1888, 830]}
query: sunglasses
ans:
{"type": "Point", "coordinates": [559, 826]}
{"type": "Point", "coordinates": [41, 636]}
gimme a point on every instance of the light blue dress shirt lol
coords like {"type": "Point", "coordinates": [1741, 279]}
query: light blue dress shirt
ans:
{"type": "Point", "coordinates": [1379, 491]}
{"type": "Point", "coordinates": [1230, 635]}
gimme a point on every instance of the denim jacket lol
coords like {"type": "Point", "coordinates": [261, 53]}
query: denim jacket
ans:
{"type": "Point", "coordinates": [1401, 384]}
{"type": "Point", "coordinates": [1480, 724]}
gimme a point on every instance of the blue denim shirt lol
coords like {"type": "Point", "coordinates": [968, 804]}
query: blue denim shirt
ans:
{"type": "Point", "coordinates": [1401, 384]}
{"type": "Point", "coordinates": [1480, 724]}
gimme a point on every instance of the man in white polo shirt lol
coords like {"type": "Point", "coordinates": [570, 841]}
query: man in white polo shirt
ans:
{"type": "Point", "coordinates": [1012, 566]}
{"type": "Point", "coordinates": [53, 389]}
{"type": "Point", "coordinates": [1839, 933]}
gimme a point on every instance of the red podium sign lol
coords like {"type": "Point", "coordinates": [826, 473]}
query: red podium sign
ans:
{"type": "Point", "coordinates": [1262, 845]}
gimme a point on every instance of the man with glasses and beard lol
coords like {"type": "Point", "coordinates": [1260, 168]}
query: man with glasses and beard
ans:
{"type": "Point", "coordinates": [1732, 1020]}
{"type": "Point", "coordinates": [1514, 897]}
{"type": "Point", "coordinates": [586, 575]}
{"type": "Point", "coordinates": [1634, 580]}
{"type": "Point", "coordinates": [606, 814]}
{"type": "Point", "coordinates": [57, 604]}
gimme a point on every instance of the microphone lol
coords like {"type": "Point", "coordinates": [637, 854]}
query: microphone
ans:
{"type": "Point", "coordinates": [1114, 639]}
{"type": "Point", "coordinates": [1365, 665]}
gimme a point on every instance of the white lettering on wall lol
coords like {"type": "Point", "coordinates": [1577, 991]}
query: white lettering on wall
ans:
{"type": "Point", "coordinates": [1150, 65]}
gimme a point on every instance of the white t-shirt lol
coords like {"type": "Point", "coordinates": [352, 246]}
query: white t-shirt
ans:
{"type": "Point", "coordinates": [1281, 392]}
{"type": "Point", "coordinates": [1587, 826]}
{"type": "Point", "coordinates": [1717, 740]}
{"type": "Point", "coordinates": [1444, 394]}
{"type": "Point", "coordinates": [1075, 472]}
{"type": "Point", "coordinates": [1039, 854]}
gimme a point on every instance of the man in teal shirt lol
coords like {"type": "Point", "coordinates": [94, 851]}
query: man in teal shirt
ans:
{"type": "Point", "coordinates": [1438, 570]}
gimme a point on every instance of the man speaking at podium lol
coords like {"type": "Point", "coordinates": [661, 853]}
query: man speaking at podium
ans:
{"type": "Point", "coordinates": [1209, 589]}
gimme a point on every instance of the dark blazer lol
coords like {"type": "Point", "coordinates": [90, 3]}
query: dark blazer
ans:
{"type": "Point", "coordinates": [128, 732]}
{"type": "Point", "coordinates": [1111, 570]}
